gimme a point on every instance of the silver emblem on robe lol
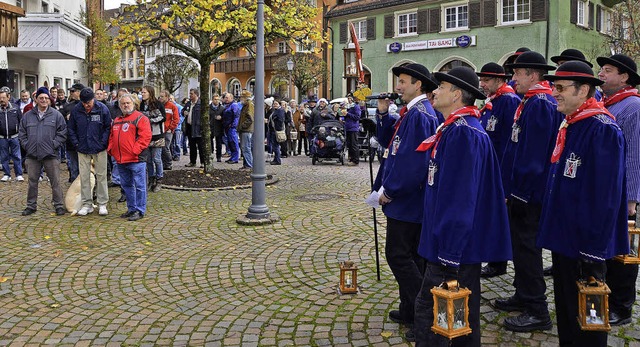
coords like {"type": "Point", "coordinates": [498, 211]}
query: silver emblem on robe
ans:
{"type": "Point", "coordinates": [491, 123]}
{"type": "Point", "coordinates": [571, 166]}
{"type": "Point", "coordinates": [433, 168]}
{"type": "Point", "coordinates": [515, 132]}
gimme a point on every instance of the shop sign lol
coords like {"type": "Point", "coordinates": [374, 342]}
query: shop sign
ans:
{"type": "Point", "coordinates": [460, 41]}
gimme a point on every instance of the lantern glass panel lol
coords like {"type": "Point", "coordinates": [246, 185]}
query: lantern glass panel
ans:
{"type": "Point", "coordinates": [458, 313]}
{"type": "Point", "coordinates": [348, 281]}
{"type": "Point", "coordinates": [634, 243]}
{"type": "Point", "coordinates": [594, 309]}
{"type": "Point", "coordinates": [443, 318]}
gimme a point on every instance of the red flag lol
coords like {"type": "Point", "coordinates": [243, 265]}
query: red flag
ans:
{"type": "Point", "coordinates": [354, 39]}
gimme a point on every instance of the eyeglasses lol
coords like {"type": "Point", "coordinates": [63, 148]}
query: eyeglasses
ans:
{"type": "Point", "coordinates": [560, 88]}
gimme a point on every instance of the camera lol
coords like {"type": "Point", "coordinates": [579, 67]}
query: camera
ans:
{"type": "Point", "coordinates": [391, 96]}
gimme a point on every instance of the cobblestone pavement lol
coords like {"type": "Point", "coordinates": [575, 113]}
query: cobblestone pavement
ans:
{"type": "Point", "coordinates": [187, 274]}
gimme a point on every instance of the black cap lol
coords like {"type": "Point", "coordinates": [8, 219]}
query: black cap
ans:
{"type": "Point", "coordinates": [624, 64]}
{"type": "Point", "coordinates": [417, 71]}
{"type": "Point", "coordinates": [492, 70]}
{"type": "Point", "coordinates": [463, 77]}
{"type": "Point", "coordinates": [531, 60]}
{"type": "Point", "coordinates": [571, 54]}
{"type": "Point", "coordinates": [76, 86]}
{"type": "Point", "coordinates": [575, 70]}
{"type": "Point", "coordinates": [86, 95]}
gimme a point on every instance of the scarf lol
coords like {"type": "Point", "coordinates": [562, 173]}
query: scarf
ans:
{"type": "Point", "coordinates": [432, 141]}
{"type": "Point", "coordinates": [588, 109]}
{"type": "Point", "coordinates": [541, 87]}
{"type": "Point", "coordinates": [504, 89]}
{"type": "Point", "coordinates": [620, 95]}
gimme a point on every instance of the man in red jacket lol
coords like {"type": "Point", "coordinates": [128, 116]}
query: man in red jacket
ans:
{"type": "Point", "coordinates": [170, 125]}
{"type": "Point", "coordinates": [128, 144]}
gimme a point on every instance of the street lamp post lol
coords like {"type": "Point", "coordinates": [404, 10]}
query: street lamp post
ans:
{"type": "Point", "coordinates": [290, 65]}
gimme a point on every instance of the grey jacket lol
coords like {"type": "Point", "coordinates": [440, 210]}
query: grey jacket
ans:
{"type": "Point", "coordinates": [41, 138]}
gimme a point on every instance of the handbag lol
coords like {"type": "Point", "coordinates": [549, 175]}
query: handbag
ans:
{"type": "Point", "coordinates": [281, 135]}
{"type": "Point", "coordinates": [294, 134]}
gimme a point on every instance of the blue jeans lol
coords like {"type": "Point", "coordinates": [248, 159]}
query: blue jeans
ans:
{"type": "Point", "coordinates": [154, 163]}
{"type": "Point", "coordinates": [115, 172]}
{"type": "Point", "coordinates": [232, 140]}
{"type": "Point", "coordinates": [133, 180]}
{"type": "Point", "coordinates": [275, 146]}
{"type": "Point", "coordinates": [10, 149]}
{"type": "Point", "coordinates": [246, 143]}
{"type": "Point", "coordinates": [72, 164]}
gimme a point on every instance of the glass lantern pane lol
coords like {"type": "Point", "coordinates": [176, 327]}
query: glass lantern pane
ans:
{"type": "Point", "coordinates": [594, 309]}
{"type": "Point", "coordinates": [347, 279]}
{"type": "Point", "coordinates": [442, 318]}
{"type": "Point", "coordinates": [458, 313]}
{"type": "Point", "coordinates": [635, 239]}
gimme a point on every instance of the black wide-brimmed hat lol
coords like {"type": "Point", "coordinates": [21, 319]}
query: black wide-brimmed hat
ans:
{"type": "Point", "coordinates": [570, 54]}
{"type": "Point", "coordinates": [531, 60]}
{"type": "Point", "coordinates": [418, 71]}
{"type": "Point", "coordinates": [515, 55]}
{"type": "Point", "coordinates": [492, 70]}
{"type": "Point", "coordinates": [624, 64]}
{"type": "Point", "coordinates": [575, 70]}
{"type": "Point", "coordinates": [463, 77]}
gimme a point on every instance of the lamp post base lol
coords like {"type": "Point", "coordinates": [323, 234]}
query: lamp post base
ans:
{"type": "Point", "coordinates": [257, 219]}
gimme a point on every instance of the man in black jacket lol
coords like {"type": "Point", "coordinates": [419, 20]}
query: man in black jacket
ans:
{"type": "Point", "coordinates": [72, 154]}
{"type": "Point", "coordinates": [215, 124]}
{"type": "Point", "coordinates": [9, 145]}
{"type": "Point", "coordinates": [193, 129]}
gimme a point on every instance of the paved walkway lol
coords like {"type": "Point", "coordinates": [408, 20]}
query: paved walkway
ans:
{"type": "Point", "coordinates": [187, 274]}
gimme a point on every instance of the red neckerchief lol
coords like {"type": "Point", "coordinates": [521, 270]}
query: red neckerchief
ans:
{"type": "Point", "coordinates": [620, 95]}
{"type": "Point", "coordinates": [504, 89]}
{"type": "Point", "coordinates": [432, 141]}
{"type": "Point", "coordinates": [588, 109]}
{"type": "Point", "coordinates": [403, 112]}
{"type": "Point", "coordinates": [541, 87]}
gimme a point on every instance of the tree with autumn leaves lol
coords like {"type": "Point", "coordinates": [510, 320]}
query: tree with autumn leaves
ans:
{"type": "Point", "coordinates": [624, 36]}
{"type": "Point", "coordinates": [216, 27]}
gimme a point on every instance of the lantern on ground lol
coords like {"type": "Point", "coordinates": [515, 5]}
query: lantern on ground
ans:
{"type": "Point", "coordinates": [348, 277]}
{"type": "Point", "coordinates": [451, 310]}
{"type": "Point", "coordinates": [593, 305]}
{"type": "Point", "coordinates": [634, 245]}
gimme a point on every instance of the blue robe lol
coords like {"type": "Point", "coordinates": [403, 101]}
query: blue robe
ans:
{"type": "Point", "coordinates": [525, 163]}
{"type": "Point", "coordinates": [499, 129]}
{"type": "Point", "coordinates": [384, 132]}
{"type": "Point", "coordinates": [586, 216]}
{"type": "Point", "coordinates": [465, 216]}
{"type": "Point", "coordinates": [404, 167]}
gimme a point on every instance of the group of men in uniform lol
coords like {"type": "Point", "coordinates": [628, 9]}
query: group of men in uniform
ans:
{"type": "Point", "coordinates": [549, 161]}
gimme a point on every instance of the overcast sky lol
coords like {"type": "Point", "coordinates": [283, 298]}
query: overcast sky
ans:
{"type": "Point", "coordinates": [109, 4]}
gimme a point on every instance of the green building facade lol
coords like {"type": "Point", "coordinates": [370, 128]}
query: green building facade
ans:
{"type": "Point", "coordinates": [445, 34]}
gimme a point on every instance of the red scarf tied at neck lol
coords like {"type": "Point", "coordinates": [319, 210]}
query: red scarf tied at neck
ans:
{"type": "Point", "coordinates": [541, 87]}
{"type": "Point", "coordinates": [504, 89]}
{"type": "Point", "coordinates": [620, 95]}
{"type": "Point", "coordinates": [589, 108]}
{"type": "Point", "coordinates": [432, 141]}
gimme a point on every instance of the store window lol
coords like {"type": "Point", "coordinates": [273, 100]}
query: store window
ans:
{"type": "Point", "coordinates": [456, 17]}
{"type": "Point", "coordinates": [514, 11]}
{"type": "Point", "coordinates": [407, 23]}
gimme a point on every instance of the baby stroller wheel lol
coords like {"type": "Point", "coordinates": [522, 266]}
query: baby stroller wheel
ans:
{"type": "Point", "coordinates": [314, 160]}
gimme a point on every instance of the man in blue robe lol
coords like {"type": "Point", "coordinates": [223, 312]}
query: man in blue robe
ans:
{"type": "Point", "coordinates": [584, 215]}
{"type": "Point", "coordinates": [465, 218]}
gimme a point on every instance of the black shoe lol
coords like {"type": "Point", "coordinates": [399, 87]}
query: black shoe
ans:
{"type": "Point", "coordinates": [395, 316]}
{"type": "Point", "coordinates": [219, 160]}
{"type": "Point", "coordinates": [548, 271]}
{"type": "Point", "coordinates": [60, 211]}
{"type": "Point", "coordinates": [112, 184]}
{"type": "Point", "coordinates": [274, 163]}
{"type": "Point", "coordinates": [168, 167]}
{"type": "Point", "coordinates": [135, 216]}
{"type": "Point", "coordinates": [284, 156]}
{"type": "Point", "coordinates": [175, 158]}
{"type": "Point", "coordinates": [509, 304]}
{"type": "Point", "coordinates": [232, 161]}
{"type": "Point", "coordinates": [527, 322]}
{"type": "Point", "coordinates": [127, 214]}
{"type": "Point", "coordinates": [410, 336]}
{"type": "Point", "coordinates": [617, 319]}
{"type": "Point", "coordinates": [123, 198]}
{"type": "Point", "coordinates": [489, 271]}
{"type": "Point", "coordinates": [27, 211]}
{"type": "Point", "coordinates": [190, 165]}
{"type": "Point", "coordinates": [156, 188]}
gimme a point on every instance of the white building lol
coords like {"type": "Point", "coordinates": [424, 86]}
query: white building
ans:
{"type": "Point", "coordinates": [51, 45]}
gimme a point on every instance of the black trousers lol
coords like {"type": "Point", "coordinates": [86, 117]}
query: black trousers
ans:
{"type": "Point", "coordinates": [302, 138]}
{"type": "Point", "coordinates": [621, 279]}
{"type": "Point", "coordinates": [566, 271]}
{"type": "Point", "coordinates": [499, 265]}
{"type": "Point", "coordinates": [352, 146]}
{"type": "Point", "coordinates": [407, 266]}
{"type": "Point", "coordinates": [468, 277]}
{"type": "Point", "coordinates": [216, 142]}
{"type": "Point", "coordinates": [524, 220]}
{"type": "Point", "coordinates": [196, 146]}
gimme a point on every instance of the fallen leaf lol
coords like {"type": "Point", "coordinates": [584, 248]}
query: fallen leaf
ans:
{"type": "Point", "coordinates": [46, 237]}
{"type": "Point", "coordinates": [84, 248]}
{"type": "Point", "coordinates": [386, 334]}
{"type": "Point", "coordinates": [54, 305]}
{"type": "Point", "coordinates": [4, 279]}
{"type": "Point", "coordinates": [57, 253]}
{"type": "Point", "coordinates": [147, 243]}
{"type": "Point", "coordinates": [205, 211]}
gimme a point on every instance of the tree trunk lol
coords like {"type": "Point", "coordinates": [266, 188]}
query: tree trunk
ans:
{"type": "Point", "coordinates": [203, 78]}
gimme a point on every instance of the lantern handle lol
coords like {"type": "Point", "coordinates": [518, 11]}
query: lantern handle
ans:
{"type": "Point", "coordinates": [450, 285]}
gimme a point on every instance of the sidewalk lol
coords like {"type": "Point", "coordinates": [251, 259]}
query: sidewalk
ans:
{"type": "Point", "coordinates": [188, 275]}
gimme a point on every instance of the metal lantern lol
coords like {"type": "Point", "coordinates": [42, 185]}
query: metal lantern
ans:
{"type": "Point", "coordinates": [348, 277]}
{"type": "Point", "coordinates": [634, 245]}
{"type": "Point", "coordinates": [593, 305]}
{"type": "Point", "coordinates": [451, 310]}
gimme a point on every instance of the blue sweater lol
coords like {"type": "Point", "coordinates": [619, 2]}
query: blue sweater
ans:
{"type": "Point", "coordinates": [498, 121]}
{"type": "Point", "coordinates": [586, 216]}
{"type": "Point", "coordinates": [525, 163]}
{"type": "Point", "coordinates": [404, 168]}
{"type": "Point", "coordinates": [465, 216]}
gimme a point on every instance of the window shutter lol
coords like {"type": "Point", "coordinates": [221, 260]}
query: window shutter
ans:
{"type": "Point", "coordinates": [489, 13]}
{"type": "Point", "coordinates": [474, 15]}
{"type": "Point", "coordinates": [371, 29]}
{"type": "Point", "coordinates": [574, 12]}
{"type": "Point", "coordinates": [539, 10]}
{"type": "Point", "coordinates": [598, 18]}
{"type": "Point", "coordinates": [434, 20]}
{"type": "Point", "coordinates": [590, 15]}
{"type": "Point", "coordinates": [423, 21]}
{"type": "Point", "coordinates": [388, 26]}
{"type": "Point", "coordinates": [344, 34]}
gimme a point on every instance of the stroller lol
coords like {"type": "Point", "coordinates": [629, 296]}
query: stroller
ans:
{"type": "Point", "coordinates": [328, 142]}
{"type": "Point", "coordinates": [367, 130]}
